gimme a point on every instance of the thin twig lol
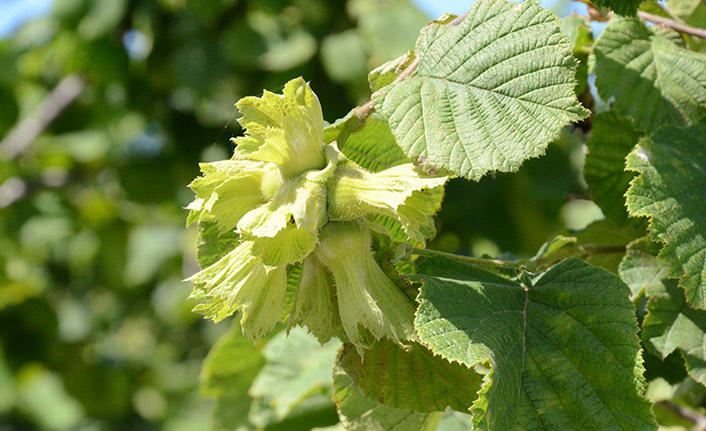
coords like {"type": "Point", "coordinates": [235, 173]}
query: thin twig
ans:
{"type": "Point", "coordinates": [576, 197]}
{"type": "Point", "coordinates": [459, 19]}
{"type": "Point", "coordinates": [19, 140]}
{"type": "Point", "coordinates": [582, 252]}
{"type": "Point", "coordinates": [670, 23]}
{"type": "Point", "coordinates": [596, 15]}
{"type": "Point", "coordinates": [364, 111]}
{"type": "Point", "coordinates": [467, 259]}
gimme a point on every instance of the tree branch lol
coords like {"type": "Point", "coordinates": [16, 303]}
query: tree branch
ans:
{"type": "Point", "coordinates": [670, 23]}
{"type": "Point", "coordinates": [597, 15]}
{"type": "Point", "coordinates": [19, 140]}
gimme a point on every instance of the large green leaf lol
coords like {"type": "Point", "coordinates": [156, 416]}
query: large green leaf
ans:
{"type": "Point", "coordinates": [640, 269]}
{"type": "Point", "coordinates": [653, 80]}
{"type": "Point", "coordinates": [358, 413]}
{"type": "Point", "coordinates": [384, 373]}
{"type": "Point", "coordinates": [562, 345]}
{"type": "Point", "coordinates": [671, 324]}
{"type": "Point", "coordinates": [670, 190]}
{"type": "Point", "coordinates": [611, 140]}
{"type": "Point", "coordinates": [488, 93]}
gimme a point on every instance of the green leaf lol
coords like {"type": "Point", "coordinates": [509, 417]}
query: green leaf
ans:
{"type": "Point", "coordinates": [653, 80]}
{"type": "Point", "coordinates": [488, 93]}
{"type": "Point", "coordinates": [611, 140]}
{"type": "Point", "coordinates": [640, 269]}
{"type": "Point", "coordinates": [388, 28]}
{"type": "Point", "coordinates": [386, 73]}
{"type": "Point", "coordinates": [368, 143]}
{"type": "Point", "coordinates": [103, 16]}
{"type": "Point", "coordinates": [297, 368]}
{"type": "Point", "coordinates": [342, 127]}
{"type": "Point", "coordinates": [562, 345]}
{"type": "Point", "coordinates": [43, 398]}
{"type": "Point", "coordinates": [455, 421]}
{"type": "Point", "coordinates": [373, 147]}
{"type": "Point", "coordinates": [383, 375]}
{"type": "Point", "coordinates": [622, 7]}
{"type": "Point", "coordinates": [343, 56]}
{"type": "Point", "coordinates": [672, 324]}
{"type": "Point", "coordinates": [358, 413]}
{"type": "Point", "coordinates": [8, 396]}
{"type": "Point", "coordinates": [226, 374]}
{"type": "Point", "coordinates": [670, 191]}
{"type": "Point", "coordinates": [607, 233]}
{"type": "Point", "coordinates": [578, 29]}
{"type": "Point", "coordinates": [149, 247]}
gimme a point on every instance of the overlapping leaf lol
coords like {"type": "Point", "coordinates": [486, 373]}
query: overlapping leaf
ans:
{"type": "Point", "coordinates": [670, 190]}
{"type": "Point", "coordinates": [671, 324]}
{"type": "Point", "coordinates": [386, 73]}
{"type": "Point", "coordinates": [358, 413]}
{"type": "Point", "coordinates": [611, 140]}
{"type": "Point", "coordinates": [578, 29]}
{"type": "Point", "coordinates": [437, 383]}
{"type": "Point", "coordinates": [562, 345]}
{"type": "Point", "coordinates": [640, 269]}
{"type": "Point", "coordinates": [653, 80]}
{"type": "Point", "coordinates": [488, 93]}
{"type": "Point", "coordinates": [373, 147]}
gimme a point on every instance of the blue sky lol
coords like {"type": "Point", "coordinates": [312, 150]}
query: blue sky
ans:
{"type": "Point", "coordinates": [436, 8]}
{"type": "Point", "coordinates": [15, 12]}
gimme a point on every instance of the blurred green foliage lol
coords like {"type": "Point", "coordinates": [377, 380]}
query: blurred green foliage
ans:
{"type": "Point", "coordinates": [95, 329]}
